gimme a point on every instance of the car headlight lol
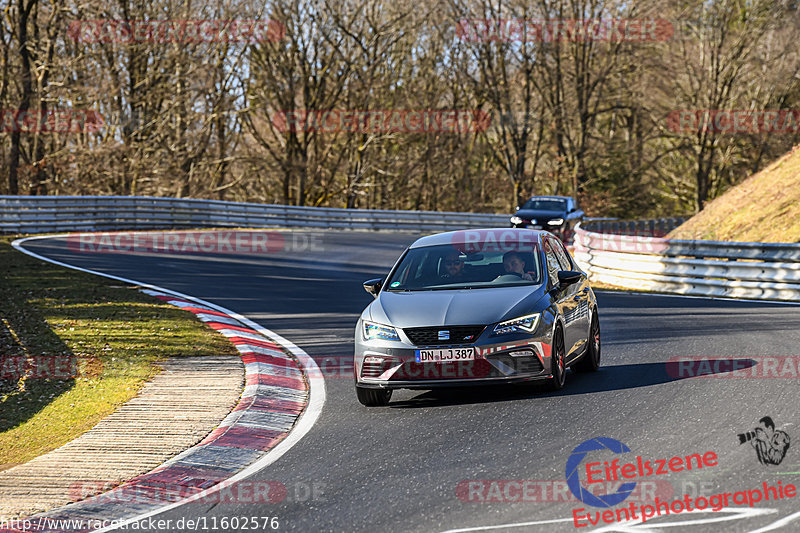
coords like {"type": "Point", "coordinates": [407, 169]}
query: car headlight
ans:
{"type": "Point", "coordinates": [379, 331]}
{"type": "Point", "coordinates": [516, 220]}
{"type": "Point", "coordinates": [525, 324]}
{"type": "Point", "coordinates": [556, 221]}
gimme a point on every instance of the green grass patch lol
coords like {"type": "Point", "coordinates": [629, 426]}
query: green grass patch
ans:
{"type": "Point", "coordinates": [74, 347]}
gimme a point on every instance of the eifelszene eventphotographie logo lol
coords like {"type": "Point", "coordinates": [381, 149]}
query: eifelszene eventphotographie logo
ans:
{"type": "Point", "coordinates": [625, 473]}
{"type": "Point", "coordinates": [624, 476]}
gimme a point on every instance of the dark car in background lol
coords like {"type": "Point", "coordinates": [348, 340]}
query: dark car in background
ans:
{"type": "Point", "coordinates": [556, 214]}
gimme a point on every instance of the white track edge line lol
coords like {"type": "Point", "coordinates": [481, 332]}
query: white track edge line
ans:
{"type": "Point", "coordinates": [316, 386]}
{"type": "Point", "coordinates": [778, 523]}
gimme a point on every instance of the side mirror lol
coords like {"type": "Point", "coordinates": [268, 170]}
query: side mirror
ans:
{"type": "Point", "coordinates": [373, 286]}
{"type": "Point", "coordinates": [568, 277]}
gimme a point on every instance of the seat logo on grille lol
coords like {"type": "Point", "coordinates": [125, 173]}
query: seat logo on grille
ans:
{"type": "Point", "coordinates": [444, 335]}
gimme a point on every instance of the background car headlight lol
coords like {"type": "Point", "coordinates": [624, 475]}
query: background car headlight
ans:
{"type": "Point", "coordinates": [525, 324]}
{"type": "Point", "coordinates": [556, 221]}
{"type": "Point", "coordinates": [379, 331]}
{"type": "Point", "coordinates": [516, 220]}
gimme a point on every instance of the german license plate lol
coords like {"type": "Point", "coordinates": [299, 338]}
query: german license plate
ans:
{"type": "Point", "coordinates": [444, 355]}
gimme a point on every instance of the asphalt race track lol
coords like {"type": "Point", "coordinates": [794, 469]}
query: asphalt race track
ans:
{"type": "Point", "coordinates": [424, 462]}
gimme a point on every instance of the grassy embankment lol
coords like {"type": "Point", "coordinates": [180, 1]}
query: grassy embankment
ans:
{"type": "Point", "coordinates": [763, 208]}
{"type": "Point", "coordinates": [76, 346]}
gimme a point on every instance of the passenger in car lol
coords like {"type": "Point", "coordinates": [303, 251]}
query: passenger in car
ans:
{"type": "Point", "coordinates": [514, 263]}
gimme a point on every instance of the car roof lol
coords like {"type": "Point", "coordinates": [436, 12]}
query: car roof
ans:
{"type": "Point", "coordinates": [551, 197]}
{"type": "Point", "coordinates": [459, 236]}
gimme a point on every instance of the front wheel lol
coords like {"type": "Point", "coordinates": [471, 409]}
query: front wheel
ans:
{"type": "Point", "coordinates": [558, 363]}
{"type": "Point", "coordinates": [373, 397]}
{"type": "Point", "coordinates": [590, 361]}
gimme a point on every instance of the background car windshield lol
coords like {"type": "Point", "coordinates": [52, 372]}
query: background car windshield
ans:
{"type": "Point", "coordinates": [540, 204]}
{"type": "Point", "coordinates": [451, 267]}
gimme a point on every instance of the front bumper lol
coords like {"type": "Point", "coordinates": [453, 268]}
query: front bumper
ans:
{"type": "Point", "coordinates": [392, 365]}
{"type": "Point", "coordinates": [442, 384]}
{"type": "Point", "coordinates": [547, 227]}
{"type": "Point", "coordinates": [528, 225]}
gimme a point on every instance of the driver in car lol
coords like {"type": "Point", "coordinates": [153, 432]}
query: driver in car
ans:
{"type": "Point", "coordinates": [514, 263]}
{"type": "Point", "coordinates": [453, 267]}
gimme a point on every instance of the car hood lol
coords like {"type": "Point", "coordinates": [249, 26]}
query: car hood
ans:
{"type": "Point", "coordinates": [455, 307]}
{"type": "Point", "coordinates": [543, 216]}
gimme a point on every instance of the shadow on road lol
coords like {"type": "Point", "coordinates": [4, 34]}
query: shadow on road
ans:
{"type": "Point", "coordinates": [608, 378]}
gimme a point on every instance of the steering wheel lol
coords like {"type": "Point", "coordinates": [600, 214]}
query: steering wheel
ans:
{"type": "Point", "coordinates": [508, 276]}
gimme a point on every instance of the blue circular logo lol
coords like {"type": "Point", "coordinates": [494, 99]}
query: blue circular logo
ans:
{"type": "Point", "coordinates": [574, 482]}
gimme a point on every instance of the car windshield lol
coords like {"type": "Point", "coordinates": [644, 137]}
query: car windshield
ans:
{"type": "Point", "coordinates": [545, 204]}
{"type": "Point", "coordinates": [471, 266]}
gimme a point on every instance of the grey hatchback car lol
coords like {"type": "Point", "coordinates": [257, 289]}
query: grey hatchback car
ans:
{"type": "Point", "coordinates": [472, 307]}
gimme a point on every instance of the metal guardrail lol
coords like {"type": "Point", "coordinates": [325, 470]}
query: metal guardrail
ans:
{"type": "Point", "coordinates": [653, 228]}
{"type": "Point", "coordinates": [768, 271]}
{"type": "Point", "coordinates": [704, 268]}
{"type": "Point", "coordinates": [43, 214]}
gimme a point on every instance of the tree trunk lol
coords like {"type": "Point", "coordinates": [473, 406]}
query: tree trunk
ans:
{"type": "Point", "coordinates": [25, 101]}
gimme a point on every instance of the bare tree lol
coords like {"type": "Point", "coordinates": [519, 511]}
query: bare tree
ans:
{"type": "Point", "coordinates": [571, 112]}
{"type": "Point", "coordinates": [501, 76]}
{"type": "Point", "coordinates": [715, 67]}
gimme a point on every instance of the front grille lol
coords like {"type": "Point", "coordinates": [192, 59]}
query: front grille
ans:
{"type": "Point", "coordinates": [470, 369]}
{"type": "Point", "coordinates": [429, 336]}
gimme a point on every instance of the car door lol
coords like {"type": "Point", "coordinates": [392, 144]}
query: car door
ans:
{"type": "Point", "coordinates": [579, 297]}
{"type": "Point", "coordinates": [564, 298]}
